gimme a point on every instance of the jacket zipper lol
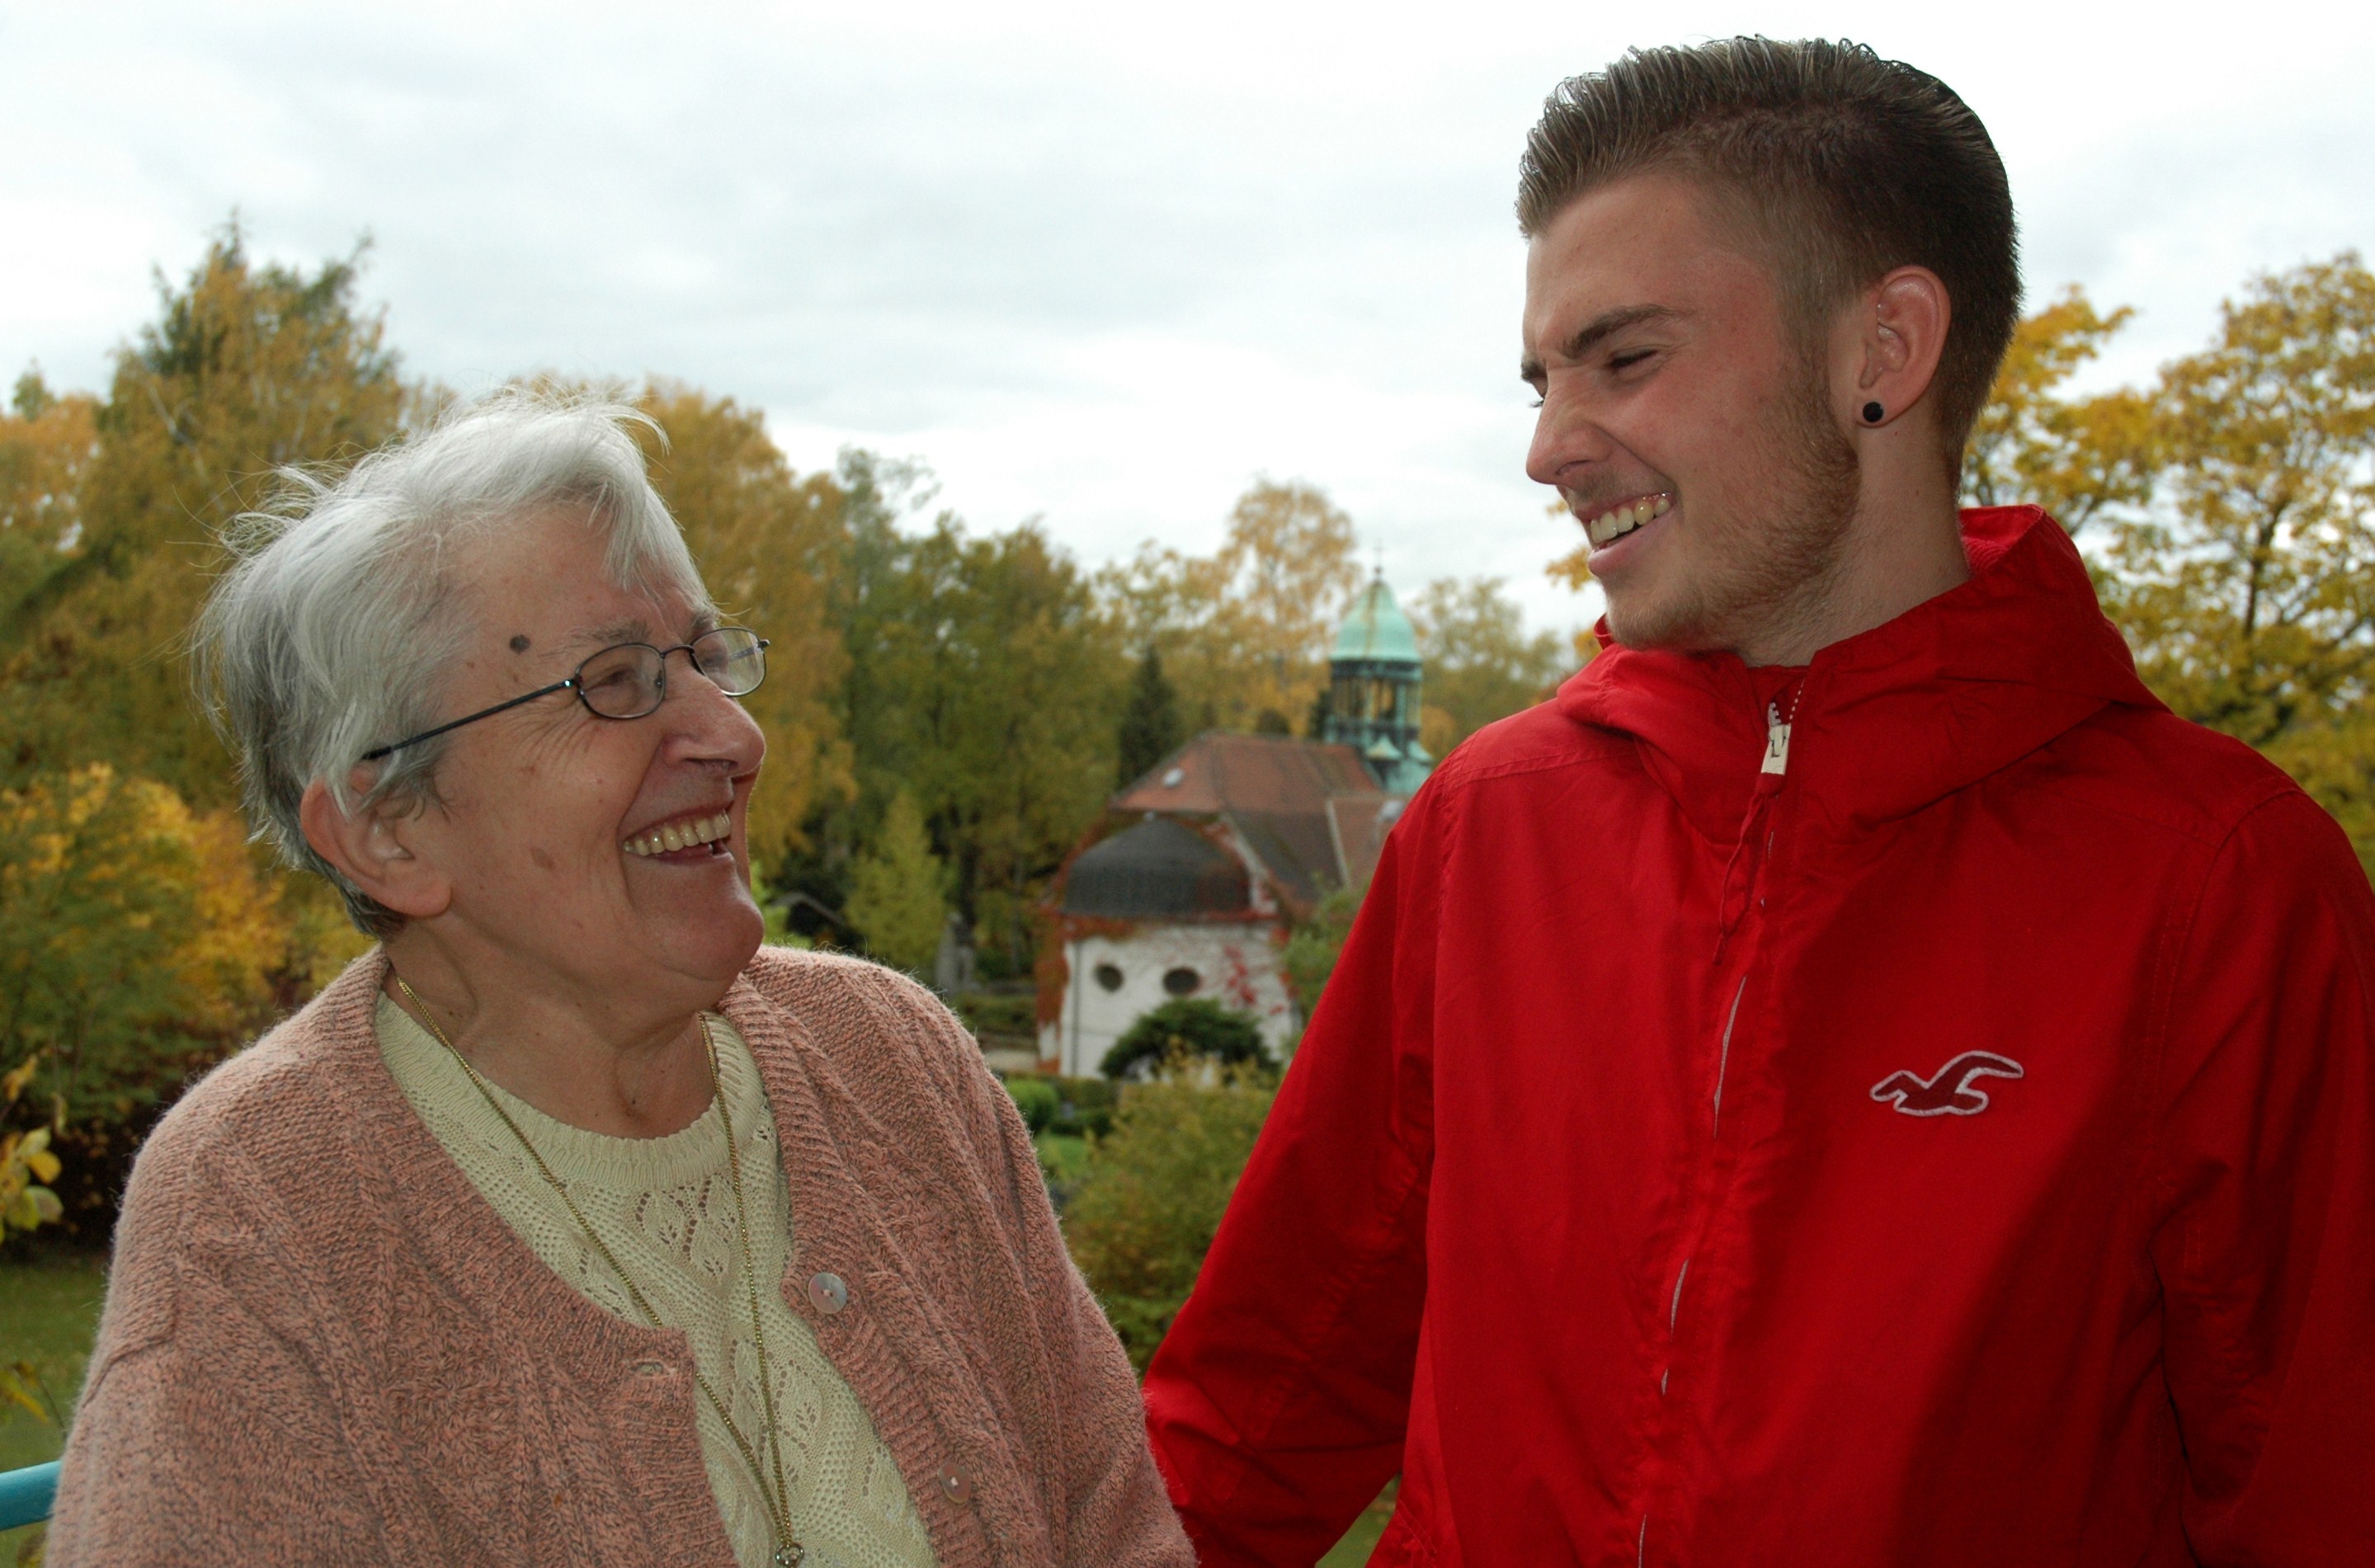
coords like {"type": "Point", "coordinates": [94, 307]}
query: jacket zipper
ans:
{"type": "Point", "coordinates": [1771, 772]}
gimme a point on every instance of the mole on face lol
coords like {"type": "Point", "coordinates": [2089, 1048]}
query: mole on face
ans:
{"type": "Point", "coordinates": [519, 644]}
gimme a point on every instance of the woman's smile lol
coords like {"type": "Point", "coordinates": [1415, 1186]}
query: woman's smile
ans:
{"type": "Point", "coordinates": [685, 839]}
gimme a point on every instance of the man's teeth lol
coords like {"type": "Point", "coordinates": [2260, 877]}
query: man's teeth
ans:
{"type": "Point", "coordinates": [682, 835]}
{"type": "Point", "coordinates": [1625, 519]}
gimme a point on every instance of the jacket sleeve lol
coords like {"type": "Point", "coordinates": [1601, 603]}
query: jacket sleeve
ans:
{"type": "Point", "coordinates": [2266, 1252]}
{"type": "Point", "coordinates": [201, 1435]}
{"type": "Point", "coordinates": [1279, 1399]}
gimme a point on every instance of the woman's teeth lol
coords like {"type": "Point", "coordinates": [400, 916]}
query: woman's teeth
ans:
{"type": "Point", "coordinates": [1616, 525]}
{"type": "Point", "coordinates": [682, 835]}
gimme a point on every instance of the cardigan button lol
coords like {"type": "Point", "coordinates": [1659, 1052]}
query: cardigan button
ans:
{"type": "Point", "coordinates": [651, 1369]}
{"type": "Point", "coordinates": [827, 1293]}
{"type": "Point", "coordinates": [958, 1485]}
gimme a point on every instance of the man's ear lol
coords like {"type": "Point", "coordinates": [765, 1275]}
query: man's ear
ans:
{"type": "Point", "coordinates": [1900, 334]}
{"type": "Point", "coordinates": [374, 850]}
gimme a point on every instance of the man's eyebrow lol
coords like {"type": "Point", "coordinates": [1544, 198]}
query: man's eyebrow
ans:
{"type": "Point", "coordinates": [1598, 330]}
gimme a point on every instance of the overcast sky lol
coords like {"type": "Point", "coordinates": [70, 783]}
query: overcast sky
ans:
{"type": "Point", "coordinates": [1100, 263]}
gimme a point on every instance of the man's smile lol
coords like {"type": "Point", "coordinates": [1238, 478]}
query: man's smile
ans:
{"type": "Point", "coordinates": [1620, 519]}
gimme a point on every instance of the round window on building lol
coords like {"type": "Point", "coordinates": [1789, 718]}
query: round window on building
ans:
{"type": "Point", "coordinates": [1181, 981]}
{"type": "Point", "coordinates": [1109, 976]}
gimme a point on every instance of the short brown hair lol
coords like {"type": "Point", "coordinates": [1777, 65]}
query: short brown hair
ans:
{"type": "Point", "coordinates": [1847, 165]}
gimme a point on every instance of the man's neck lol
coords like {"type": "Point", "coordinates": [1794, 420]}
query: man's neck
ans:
{"type": "Point", "coordinates": [1889, 560]}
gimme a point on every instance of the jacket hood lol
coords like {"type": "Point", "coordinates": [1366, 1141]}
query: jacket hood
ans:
{"type": "Point", "coordinates": [1894, 718]}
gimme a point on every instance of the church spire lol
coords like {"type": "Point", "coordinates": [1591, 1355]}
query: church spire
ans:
{"type": "Point", "coordinates": [1372, 695]}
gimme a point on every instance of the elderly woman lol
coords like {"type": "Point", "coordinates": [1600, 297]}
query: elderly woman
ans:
{"type": "Point", "coordinates": [570, 1225]}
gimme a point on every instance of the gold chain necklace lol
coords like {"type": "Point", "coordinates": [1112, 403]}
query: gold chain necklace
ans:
{"type": "Point", "coordinates": [789, 1552]}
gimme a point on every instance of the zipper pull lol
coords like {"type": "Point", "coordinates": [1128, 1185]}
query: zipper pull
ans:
{"type": "Point", "coordinates": [1777, 740]}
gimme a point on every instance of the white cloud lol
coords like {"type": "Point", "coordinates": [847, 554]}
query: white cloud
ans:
{"type": "Point", "coordinates": [1095, 264]}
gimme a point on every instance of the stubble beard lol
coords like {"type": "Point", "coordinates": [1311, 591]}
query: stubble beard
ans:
{"type": "Point", "coordinates": [1763, 575]}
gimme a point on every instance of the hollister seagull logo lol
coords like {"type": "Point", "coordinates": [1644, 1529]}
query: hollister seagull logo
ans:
{"type": "Point", "coordinates": [1946, 1091]}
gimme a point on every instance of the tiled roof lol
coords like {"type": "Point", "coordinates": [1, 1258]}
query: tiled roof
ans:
{"type": "Point", "coordinates": [1221, 771]}
{"type": "Point", "coordinates": [1311, 812]}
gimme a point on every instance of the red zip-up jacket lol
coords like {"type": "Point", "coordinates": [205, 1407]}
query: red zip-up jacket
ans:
{"type": "Point", "coordinates": [1938, 1136]}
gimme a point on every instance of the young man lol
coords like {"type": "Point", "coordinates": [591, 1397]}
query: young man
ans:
{"type": "Point", "coordinates": [1854, 1080]}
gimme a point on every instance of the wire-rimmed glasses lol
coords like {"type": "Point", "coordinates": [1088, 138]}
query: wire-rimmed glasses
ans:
{"type": "Point", "coordinates": [629, 680]}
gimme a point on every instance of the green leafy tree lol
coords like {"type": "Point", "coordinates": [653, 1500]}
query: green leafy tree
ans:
{"type": "Point", "coordinates": [1481, 663]}
{"type": "Point", "coordinates": [894, 898]}
{"type": "Point", "coordinates": [1150, 722]}
{"type": "Point", "coordinates": [1007, 685]}
{"type": "Point", "coordinates": [2248, 593]}
{"type": "Point", "coordinates": [247, 367]}
{"type": "Point", "coordinates": [1142, 1218]}
{"type": "Point", "coordinates": [1187, 1029]}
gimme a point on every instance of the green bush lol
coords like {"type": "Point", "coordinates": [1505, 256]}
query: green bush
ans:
{"type": "Point", "coordinates": [1036, 1099]}
{"type": "Point", "coordinates": [1003, 1015]}
{"type": "Point", "coordinates": [1188, 1027]}
{"type": "Point", "coordinates": [1084, 1106]}
{"type": "Point", "coordinates": [1139, 1221]}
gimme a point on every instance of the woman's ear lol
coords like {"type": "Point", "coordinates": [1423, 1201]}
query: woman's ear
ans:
{"type": "Point", "coordinates": [375, 849]}
{"type": "Point", "coordinates": [1900, 337]}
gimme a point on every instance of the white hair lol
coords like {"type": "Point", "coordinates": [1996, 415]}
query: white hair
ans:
{"type": "Point", "coordinates": [330, 632]}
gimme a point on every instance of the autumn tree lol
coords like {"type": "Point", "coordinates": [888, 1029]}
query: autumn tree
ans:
{"type": "Point", "coordinates": [1481, 663]}
{"type": "Point", "coordinates": [143, 940]}
{"type": "Point", "coordinates": [1244, 632]}
{"type": "Point", "coordinates": [2248, 593]}
{"type": "Point", "coordinates": [47, 443]}
{"type": "Point", "coordinates": [249, 367]}
{"type": "Point", "coordinates": [2033, 443]}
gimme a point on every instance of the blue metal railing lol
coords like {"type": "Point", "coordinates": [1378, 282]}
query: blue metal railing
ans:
{"type": "Point", "coordinates": [26, 1494]}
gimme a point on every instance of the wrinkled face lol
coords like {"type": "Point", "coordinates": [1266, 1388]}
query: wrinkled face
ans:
{"type": "Point", "coordinates": [555, 826]}
{"type": "Point", "coordinates": [1684, 424]}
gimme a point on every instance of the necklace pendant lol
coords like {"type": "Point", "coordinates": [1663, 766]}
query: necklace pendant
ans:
{"type": "Point", "coordinates": [791, 1554]}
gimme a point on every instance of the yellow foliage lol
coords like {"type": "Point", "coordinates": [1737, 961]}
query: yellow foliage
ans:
{"type": "Point", "coordinates": [1243, 632]}
{"type": "Point", "coordinates": [144, 937]}
{"type": "Point", "coordinates": [2072, 457]}
{"type": "Point", "coordinates": [27, 1166]}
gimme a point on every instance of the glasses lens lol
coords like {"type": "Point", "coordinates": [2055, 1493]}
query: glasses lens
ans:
{"type": "Point", "coordinates": [623, 682]}
{"type": "Point", "coordinates": [733, 657]}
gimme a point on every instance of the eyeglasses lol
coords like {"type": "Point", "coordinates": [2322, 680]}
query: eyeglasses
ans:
{"type": "Point", "coordinates": [629, 680]}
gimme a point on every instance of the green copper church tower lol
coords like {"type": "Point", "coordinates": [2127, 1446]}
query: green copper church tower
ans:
{"type": "Point", "coordinates": [1372, 694]}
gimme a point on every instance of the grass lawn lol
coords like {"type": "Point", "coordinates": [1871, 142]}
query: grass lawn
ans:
{"type": "Point", "coordinates": [49, 1309]}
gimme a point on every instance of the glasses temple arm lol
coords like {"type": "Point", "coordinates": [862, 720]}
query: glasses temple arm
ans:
{"type": "Point", "coordinates": [375, 754]}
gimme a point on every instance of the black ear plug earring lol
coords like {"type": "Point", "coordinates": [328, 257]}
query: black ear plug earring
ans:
{"type": "Point", "coordinates": [1873, 413]}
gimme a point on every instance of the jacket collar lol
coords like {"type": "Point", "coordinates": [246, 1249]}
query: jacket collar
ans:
{"type": "Point", "coordinates": [1894, 718]}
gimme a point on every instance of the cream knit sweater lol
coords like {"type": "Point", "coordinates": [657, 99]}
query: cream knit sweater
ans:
{"type": "Point", "coordinates": [665, 1207]}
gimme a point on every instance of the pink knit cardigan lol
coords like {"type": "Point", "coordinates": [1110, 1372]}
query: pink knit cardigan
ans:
{"type": "Point", "coordinates": [321, 1346]}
